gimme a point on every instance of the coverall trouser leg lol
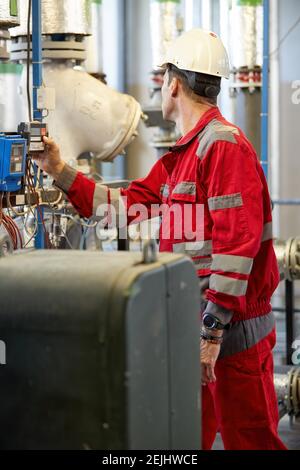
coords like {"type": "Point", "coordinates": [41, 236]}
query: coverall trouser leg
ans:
{"type": "Point", "coordinates": [242, 403]}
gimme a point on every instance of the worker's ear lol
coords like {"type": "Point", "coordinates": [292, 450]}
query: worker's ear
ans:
{"type": "Point", "coordinates": [174, 85]}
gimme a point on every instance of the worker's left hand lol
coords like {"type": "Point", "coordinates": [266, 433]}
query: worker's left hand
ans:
{"type": "Point", "coordinates": [50, 160]}
{"type": "Point", "coordinates": [208, 356]}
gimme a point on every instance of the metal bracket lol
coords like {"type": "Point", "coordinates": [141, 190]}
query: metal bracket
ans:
{"type": "Point", "coordinates": [149, 252]}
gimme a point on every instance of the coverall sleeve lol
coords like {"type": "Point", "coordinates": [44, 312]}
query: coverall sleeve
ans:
{"type": "Point", "coordinates": [86, 196]}
{"type": "Point", "coordinates": [234, 195]}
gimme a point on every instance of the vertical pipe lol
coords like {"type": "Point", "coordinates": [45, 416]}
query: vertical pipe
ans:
{"type": "Point", "coordinates": [36, 55]}
{"type": "Point", "coordinates": [289, 319]}
{"type": "Point", "coordinates": [265, 90]}
{"type": "Point", "coordinates": [206, 14]}
{"type": "Point", "coordinates": [274, 156]}
{"type": "Point", "coordinates": [37, 83]}
{"type": "Point", "coordinates": [192, 14]}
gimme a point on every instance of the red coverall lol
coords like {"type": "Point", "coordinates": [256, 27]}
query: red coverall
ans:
{"type": "Point", "coordinates": [216, 166]}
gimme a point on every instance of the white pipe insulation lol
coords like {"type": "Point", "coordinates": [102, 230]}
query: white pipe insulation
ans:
{"type": "Point", "coordinates": [89, 116]}
{"type": "Point", "coordinates": [246, 31]}
{"type": "Point", "coordinates": [165, 26]}
{"type": "Point", "coordinates": [94, 43]}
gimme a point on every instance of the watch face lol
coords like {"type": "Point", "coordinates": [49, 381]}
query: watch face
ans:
{"type": "Point", "coordinates": [208, 321]}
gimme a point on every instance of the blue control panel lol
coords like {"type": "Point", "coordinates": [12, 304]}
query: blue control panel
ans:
{"type": "Point", "coordinates": [12, 162]}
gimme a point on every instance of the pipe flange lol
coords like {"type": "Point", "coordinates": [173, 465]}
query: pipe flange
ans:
{"type": "Point", "coordinates": [61, 50]}
{"type": "Point", "coordinates": [288, 258]}
{"type": "Point", "coordinates": [293, 396]}
{"type": "Point", "coordinates": [293, 247]}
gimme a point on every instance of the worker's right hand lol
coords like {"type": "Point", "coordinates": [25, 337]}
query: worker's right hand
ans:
{"type": "Point", "coordinates": [208, 357]}
{"type": "Point", "coordinates": [50, 160]}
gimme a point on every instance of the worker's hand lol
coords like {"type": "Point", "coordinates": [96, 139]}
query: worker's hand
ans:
{"type": "Point", "coordinates": [208, 356]}
{"type": "Point", "coordinates": [50, 160]}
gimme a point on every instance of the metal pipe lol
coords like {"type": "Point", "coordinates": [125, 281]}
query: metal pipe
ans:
{"type": "Point", "coordinates": [289, 320]}
{"type": "Point", "coordinates": [36, 56]}
{"type": "Point", "coordinates": [275, 133]}
{"type": "Point", "coordinates": [36, 84]}
{"type": "Point", "coordinates": [265, 90]}
{"type": "Point", "coordinates": [286, 202]}
{"type": "Point", "coordinates": [283, 310]}
{"type": "Point", "coordinates": [287, 386]}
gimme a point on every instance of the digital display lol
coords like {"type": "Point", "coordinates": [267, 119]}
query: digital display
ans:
{"type": "Point", "coordinates": [35, 131]}
{"type": "Point", "coordinates": [16, 158]}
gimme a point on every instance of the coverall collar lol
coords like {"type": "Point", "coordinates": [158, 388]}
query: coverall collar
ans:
{"type": "Point", "coordinates": [211, 114]}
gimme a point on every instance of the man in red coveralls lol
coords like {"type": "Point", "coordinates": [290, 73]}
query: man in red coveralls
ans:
{"type": "Point", "coordinates": [214, 165]}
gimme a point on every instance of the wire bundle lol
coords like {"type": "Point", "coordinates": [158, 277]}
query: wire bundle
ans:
{"type": "Point", "coordinates": [11, 227]}
{"type": "Point", "coordinates": [31, 186]}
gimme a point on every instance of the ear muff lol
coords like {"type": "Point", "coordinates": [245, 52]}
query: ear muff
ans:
{"type": "Point", "coordinates": [204, 85]}
{"type": "Point", "coordinates": [211, 91]}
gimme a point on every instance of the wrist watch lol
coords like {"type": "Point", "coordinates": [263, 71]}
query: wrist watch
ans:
{"type": "Point", "coordinates": [210, 322]}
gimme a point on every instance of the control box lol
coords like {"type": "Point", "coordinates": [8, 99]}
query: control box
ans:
{"type": "Point", "coordinates": [13, 150]}
{"type": "Point", "coordinates": [34, 132]}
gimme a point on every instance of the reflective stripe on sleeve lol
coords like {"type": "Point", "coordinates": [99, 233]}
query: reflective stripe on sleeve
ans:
{"type": "Point", "coordinates": [225, 202]}
{"type": "Point", "coordinates": [228, 285]}
{"type": "Point", "coordinates": [203, 263]}
{"type": "Point", "coordinates": [100, 197]}
{"type": "Point", "coordinates": [199, 248]}
{"type": "Point", "coordinates": [232, 263]}
{"type": "Point", "coordinates": [267, 232]}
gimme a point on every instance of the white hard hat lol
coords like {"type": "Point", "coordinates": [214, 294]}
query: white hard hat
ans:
{"type": "Point", "coordinates": [198, 51]}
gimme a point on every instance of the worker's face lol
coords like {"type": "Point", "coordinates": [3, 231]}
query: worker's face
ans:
{"type": "Point", "coordinates": [167, 101]}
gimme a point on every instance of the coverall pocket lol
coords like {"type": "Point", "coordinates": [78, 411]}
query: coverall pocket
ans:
{"type": "Point", "coordinates": [230, 226]}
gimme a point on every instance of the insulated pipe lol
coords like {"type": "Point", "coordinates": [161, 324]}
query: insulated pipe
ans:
{"type": "Point", "coordinates": [10, 75]}
{"type": "Point", "coordinates": [164, 16]}
{"type": "Point", "coordinates": [246, 34]}
{"type": "Point", "coordinates": [89, 116]}
{"type": "Point", "coordinates": [94, 61]}
{"type": "Point", "coordinates": [59, 17]}
{"type": "Point", "coordinates": [9, 13]}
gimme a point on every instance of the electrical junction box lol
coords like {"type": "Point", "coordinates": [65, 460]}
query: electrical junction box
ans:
{"type": "Point", "coordinates": [12, 161]}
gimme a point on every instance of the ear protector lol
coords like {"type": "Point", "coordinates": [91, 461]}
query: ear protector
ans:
{"type": "Point", "coordinates": [204, 85]}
